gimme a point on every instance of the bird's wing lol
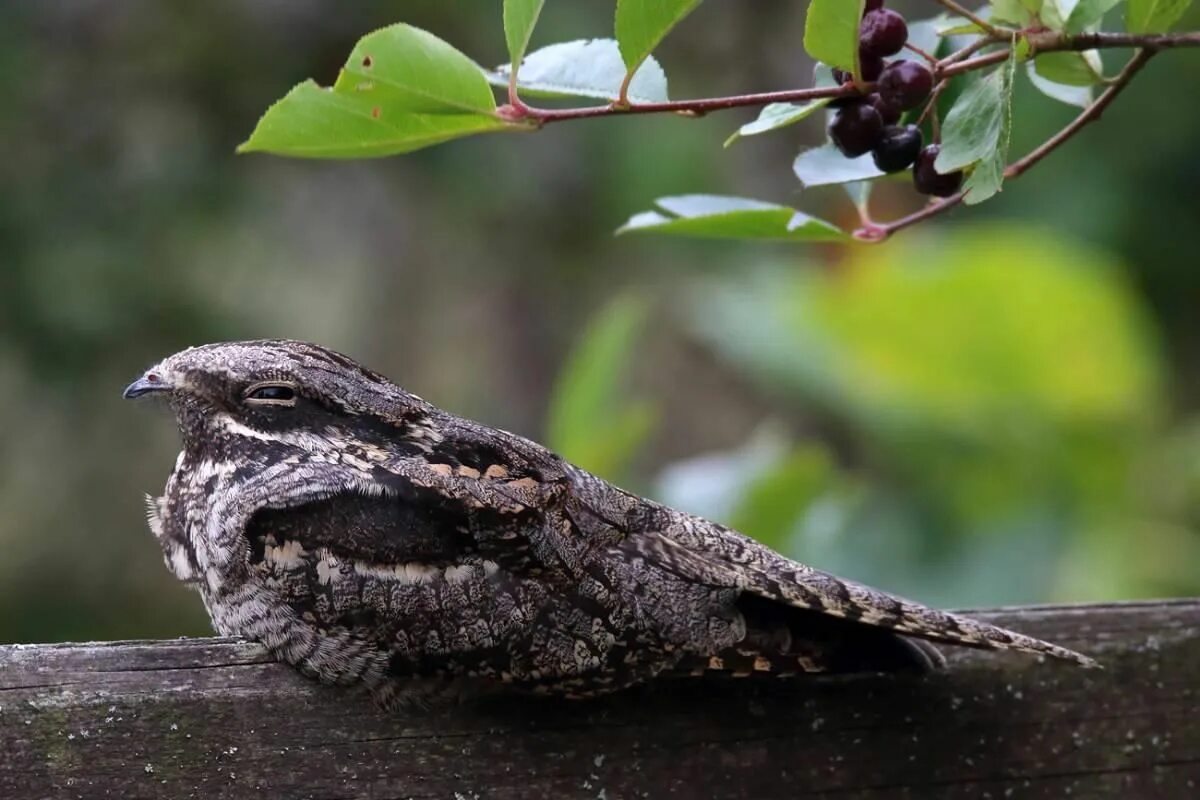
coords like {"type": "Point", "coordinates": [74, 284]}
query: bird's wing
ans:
{"type": "Point", "coordinates": [706, 552]}
{"type": "Point", "coordinates": [474, 498]}
{"type": "Point", "coordinates": [407, 526]}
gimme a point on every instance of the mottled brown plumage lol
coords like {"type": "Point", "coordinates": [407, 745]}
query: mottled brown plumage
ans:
{"type": "Point", "coordinates": [368, 537]}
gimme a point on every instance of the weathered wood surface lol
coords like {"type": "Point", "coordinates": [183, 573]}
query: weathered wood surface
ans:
{"type": "Point", "coordinates": [215, 719]}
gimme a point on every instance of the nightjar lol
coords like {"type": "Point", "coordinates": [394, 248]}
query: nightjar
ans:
{"type": "Point", "coordinates": [368, 537]}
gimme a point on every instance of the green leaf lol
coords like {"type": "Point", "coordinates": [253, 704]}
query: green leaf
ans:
{"type": "Point", "coordinates": [590, 421]}
{"type": "Point", "coordinates": [988, 176]}
{"type": "Point", "coordinates": [986, 179]}
{"type": "Point", "coordinates": [584, 68]}
{"type": "Point", "coordinates": [825, 165]}
{"type": "Point", "coordinates": [1022, 49]}
{"type": "Point", "coordinates": [719, 217]}
{"type": "Point", "coordinates": [955, 26]}
{"type": "Point", "coordinates": [418, 72]}
{"type": "Point", "coordinates": [1016, 12]}
{"type": "Point", "coordinates": [1053, 15]}
{"type": "Point", "coordinates": [831, 32]}
{"type": "Point", "coordinates": [1087, 13]}
{"type": "Point", "coordinates": [975, 123]}
{"type": "Point", "coordinates": [519, 18]}
{"type": "Point", "coordinates": [401, 89]}
{"type": "Point", "coordinates": [1153, 16]}
{"type": "Point", "coordinates": [642, 24]}
{"type": "Point", "coordinates": [809, 228]}
{"type": "Point", "coordinates": [313, 122]}
{"type": "Point", "coordinates": [1072, 95]}
{"type": "Point", "coordinates": [1074, 16]}
{"type": "Point", "coordinates": [1071, 68]}
{"type": "Point", "coordinates": [776, 116]}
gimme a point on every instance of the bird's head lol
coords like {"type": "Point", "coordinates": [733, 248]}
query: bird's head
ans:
{"type": "Point", "coordinates": [277, 394]}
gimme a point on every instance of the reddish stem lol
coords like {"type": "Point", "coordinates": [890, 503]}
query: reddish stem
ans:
{"type": "Point", "coordinates": [695, 107]}
{"type": "Point", "coordinates": [931, 59]}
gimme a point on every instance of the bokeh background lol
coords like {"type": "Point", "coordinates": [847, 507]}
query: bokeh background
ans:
{"type": "Point", "coordinates": [1000, 407]}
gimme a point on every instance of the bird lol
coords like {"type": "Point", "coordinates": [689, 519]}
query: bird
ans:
{"type": "Point", "coordinates": [369, 538]}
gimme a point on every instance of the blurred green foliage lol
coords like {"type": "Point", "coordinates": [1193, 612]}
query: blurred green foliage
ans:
{"type": "Point", "coordinates": [1000, 407]}
{"type": "Point", "coordinates": [992, 384]}
{"type": "Point", "coordinates": [591, 420]}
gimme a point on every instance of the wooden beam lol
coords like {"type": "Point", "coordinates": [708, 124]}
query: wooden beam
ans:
{"type": "Point", "coordinates": [215, 718]}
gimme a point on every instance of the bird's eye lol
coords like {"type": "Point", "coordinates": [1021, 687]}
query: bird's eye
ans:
{"type": "Point", "coordinates": [271, 394]}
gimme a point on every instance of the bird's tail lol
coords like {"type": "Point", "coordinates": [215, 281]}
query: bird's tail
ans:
{"type": "Point", "coordinates": [782, 641]}
{"type": "Point", "coordinates": [709, 553]}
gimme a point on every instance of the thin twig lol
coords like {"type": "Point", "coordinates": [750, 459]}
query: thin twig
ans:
{"type": "Point", "coordinates": [1054, 42]}
{"type": "Point", "coordinates": [931, 59]}
{"type": "Point", "coordinates": [697, 107]}
{"type": "Point", "coordinates": [1089, 114]}
{"type": "Point", "coordinates": [514, 99]}
{"type": "Point", "coordinates": [623, 92]}
{"type": "Point", "coordinates": [877, 232]}
{"type": "Point", "coordinates": [974, 47]}
{"type": "Point", "coordinates": [972, 64]}
{"type": "Point", "coordinates": [864, 212]}
{"type": "Point", "coordinates": [931, 103]}
{"type": "Point", "coordinates": [968, 15]}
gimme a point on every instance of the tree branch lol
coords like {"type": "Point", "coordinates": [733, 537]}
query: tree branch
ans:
{"type": "Point", "coordinates": [1055, 42]}
{"type": "Point", "coordinates": [972, 64]}
{"type": "Point", "coordinates": [687, 107]}
{"type": "Point", "coordinates": [953, 65]}
{"type": "Point", "coordinates": [957, 63]}
{"type": "Point", "coordinates": [877, 232]}
{"type": "Point", "coordinates": [1089, 114]}
{"type": "Point", "coordinates": [974, 47]}
{"type": "Point", "coordinates": [1146, 41]}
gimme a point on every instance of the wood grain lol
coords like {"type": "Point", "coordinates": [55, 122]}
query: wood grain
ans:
{"type": "Point", "coordinates": [214, 718]}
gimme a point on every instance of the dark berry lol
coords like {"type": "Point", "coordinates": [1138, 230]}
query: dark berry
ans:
{"type": "Point", "coordinates": [882, 32]}
{"type": "Point", "coordinates": [887, 112]}
{"type": "Point", "coordinates": [856, 129]}
{"type": "Point", "coordinates": [905, 84]}
{"type": "Point", "coordinates": [872, 5]}
{"type": "Point", "coordinates": [871, 67]}
{"type": "Point", "coordinates": [898, 148]}
{"type": "Point", "coordinates": [928, 180]}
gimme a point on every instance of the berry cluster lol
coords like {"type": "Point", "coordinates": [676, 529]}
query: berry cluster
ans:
{"type": "Point", "coordinates": [870, 123]}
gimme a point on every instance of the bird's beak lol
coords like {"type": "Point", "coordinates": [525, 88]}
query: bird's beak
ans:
{"type": "Point", "coordinates": [146, 384]}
